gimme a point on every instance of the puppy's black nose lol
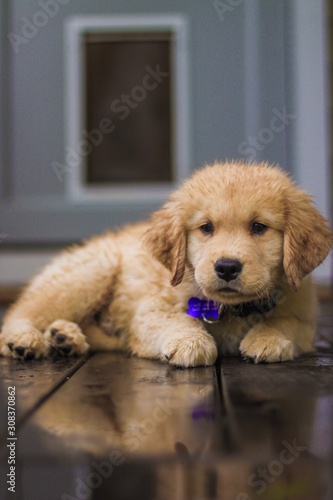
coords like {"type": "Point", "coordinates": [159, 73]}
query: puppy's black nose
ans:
{"type": "Point", "coordinates": [228, 269]}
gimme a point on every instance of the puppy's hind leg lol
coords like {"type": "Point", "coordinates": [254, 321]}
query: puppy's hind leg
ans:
{"type": "Point", "coordinates": [71, 288]}
{"type": "Point", "coordinates": [66, 338]}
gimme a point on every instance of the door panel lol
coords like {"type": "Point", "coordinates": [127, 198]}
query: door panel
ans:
{"type": "Point", "coordinates": [232, 88]}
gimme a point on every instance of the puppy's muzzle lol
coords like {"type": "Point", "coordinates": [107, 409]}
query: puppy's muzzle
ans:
{"type": "Point", "coordinates": [228, 270]}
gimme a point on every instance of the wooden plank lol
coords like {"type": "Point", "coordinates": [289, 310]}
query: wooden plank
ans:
{"type": "Point", "coordinates": [161, 432]}
{"type": "Point", "coordinates": [282, 411]}
{"type": "Point", "coordinates": [137, 406]}
{"type": "Point", "coordinates": [280, 394]}
{"type": "Point", "coordinates": [143, 421]}
{"type": "Point", "coordinates": [38, 479]}
{"type": "Point", "coordinates": [32, 383]}
{"type": "Point", "coordinates": [280, 418]}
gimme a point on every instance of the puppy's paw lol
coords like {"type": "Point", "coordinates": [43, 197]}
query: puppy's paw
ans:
{"type": "Point", "coordinates": [21, 340]}
{"type": "Point", "coordinates": [190, 350]}
{"type": "Point", "coordinates": [266, 345]}
{"type": "Point", "coordinates": [66, 338]}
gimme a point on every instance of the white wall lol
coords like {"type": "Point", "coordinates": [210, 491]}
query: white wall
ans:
{"type": "Point", "coordinates": [306, 95]}
{"type": "Point", "coordinates": [17, 267]}
{"type": "Point", "coordinates": [310, 148]}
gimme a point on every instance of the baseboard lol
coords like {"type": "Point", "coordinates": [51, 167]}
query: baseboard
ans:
{"type": "Point", "coordinates": [8, 294]}
{"type": "Point", "coordinates": [324, 292]}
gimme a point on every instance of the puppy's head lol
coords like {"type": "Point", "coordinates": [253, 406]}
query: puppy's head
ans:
{"type": "Point", "coordinates": [238, 230]}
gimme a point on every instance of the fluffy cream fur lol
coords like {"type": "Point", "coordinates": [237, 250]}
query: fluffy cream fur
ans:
{"type": "Point", "coordinates": [138, 281]}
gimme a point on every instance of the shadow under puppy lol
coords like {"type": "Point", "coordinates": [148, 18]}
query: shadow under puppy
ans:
{"type": "Point", "coordinates": [222, 267]}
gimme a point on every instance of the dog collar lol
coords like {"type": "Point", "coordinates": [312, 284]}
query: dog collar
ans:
{"type": "Point", "coordinates": [212, 312]}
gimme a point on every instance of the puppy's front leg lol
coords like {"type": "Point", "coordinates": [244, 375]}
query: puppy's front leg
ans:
{"type": "Point", "coordinates": [278, 340]}
{"type": "Point", "coordinates": [160, 332]}
{"type": "Point", "coordinates": [67, 291]}
{"type": "Point", "coordinates": [185, 344]}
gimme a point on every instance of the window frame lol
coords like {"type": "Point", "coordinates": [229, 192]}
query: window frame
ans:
{"type": "Point", "coordinates": [76, 28]}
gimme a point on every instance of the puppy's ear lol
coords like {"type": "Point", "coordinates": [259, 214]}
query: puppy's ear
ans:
{"type": "Point", "coordinates": [166, 240]}
{"type": "Point", "coordinates": [307, 237]}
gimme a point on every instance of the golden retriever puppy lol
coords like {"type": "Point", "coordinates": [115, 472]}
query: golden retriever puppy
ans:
{"type": "Point", "coordinates": [222, 268]}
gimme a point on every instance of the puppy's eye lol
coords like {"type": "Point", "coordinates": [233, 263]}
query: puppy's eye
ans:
{"type": "Point", "coordinates": [258, 228]}
{"type": "Point", "coordinates": [207, 228]}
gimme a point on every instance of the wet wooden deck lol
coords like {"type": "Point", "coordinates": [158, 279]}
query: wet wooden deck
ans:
{"type": "Point", "coordinates": [114, 427]}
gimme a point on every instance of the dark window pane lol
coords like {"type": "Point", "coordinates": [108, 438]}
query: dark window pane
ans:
{"type": "Point", "coordinates": [121, 88]}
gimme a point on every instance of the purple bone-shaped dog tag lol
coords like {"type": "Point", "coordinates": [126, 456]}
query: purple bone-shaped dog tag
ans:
{"type": "Point", "coordinates": [203, 309]}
